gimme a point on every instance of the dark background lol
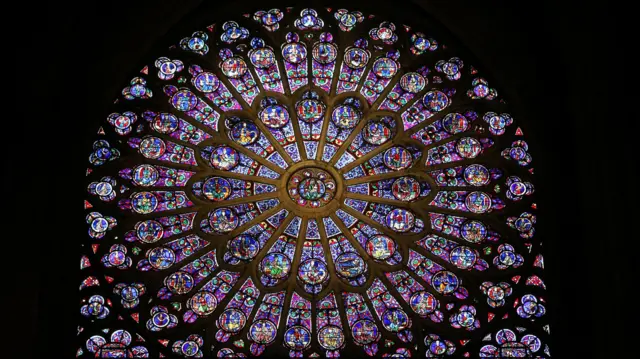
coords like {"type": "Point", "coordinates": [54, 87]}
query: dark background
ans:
{"type": "Point", "coordinates": [561, 65]}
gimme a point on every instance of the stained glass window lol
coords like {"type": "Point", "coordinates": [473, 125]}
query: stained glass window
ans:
{"type": "Point", "coordinates": [311, 183]}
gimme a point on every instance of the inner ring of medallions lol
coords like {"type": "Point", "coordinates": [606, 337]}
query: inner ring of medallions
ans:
{"type": "Point", "coordinates": [313, 187]}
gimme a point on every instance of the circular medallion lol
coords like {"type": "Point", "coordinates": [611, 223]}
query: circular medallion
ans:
{"type": "Point", "coordinates": [498, 122]}
{"type": "Point", "coordinates": [365, 332]}
{"type": "Point", "coordinates": [444, 282]}
{"type": "Point", "coordinates": [138, 90]}
{"type": "Point", "coordinates": [346, 117]}
{"type": "Point", "coordinates": [420, 43]}
{"type": "Point", "coordinates": [324, 53]}
{"type": "Point", "coordinates": [455, 123]}
{"type": "Point", "coordinates": [196, 43]}
{"type": "Point", "coordinates": [203, 303]}
{"type": "Point", "coordinates": [234, 67]}
{"type": "Point", "coordinates": [331, 337]}
{"type": "Point", "coordinates": [274, 116]}
{"type": "Point", "coordinates": [435, 101]}
{"type": "Point", "coordinates": [532, 342]}
{"type": "Point", "coordinates": [385, 67]}
{"type": "Point", "coordinates": [311, 187]}
{"type": "Point", "coordinates": [216, 189]}
{"type": "Point", "coordinates": [518, 189]}
{"type": "Point", "coordinates": [116, 258]}
{"type": "Point", "coordinates": [310, 110]}
{"type": "Point", "coordinates": [275, 265]}
{"type": "Point", "coordinates": [243, 247]}
{"type": "Point", "coordinates": [395, 320]}
{"type": "Point", "coordinates": [206, 82]}
{"type": "Point", "coordinates": [272, 17]}
{"type": "Point", "coordinates": [478, 202]}
{"type": "Point", "coordinates": [189, 348]}
{"type": "Point", "coordinates": [505, 336]}
{"type": "Point", "coordinates": [244, 133]}
{"type": "Point", "coordinates": [473, 231]}
{"type": "Point", "coordinates": [144, 202]}
{"type": "Point", "coordinates": [184, 100]}
{"type": "Point", "coordinates": [165, 123]}
{"type": "Point", "coordinates": [423, 303]}
{"type": "Point", "coordinates": [100, 225]}
{"type": "Point", "coordinates": [103, 189]}
{"type": "Point", "coordinates": [294, 52]}
{"type": "Point", "coordinates": [468, 147]}
{"type": "Point", "coordinates": [232, 320]}
{"type": "Point", "coordinates": [376, 132]}
{"type": "Point", "coordinates": [224, 158]}
{"type": "Point", "coordinates": [149, 231]}
{"type": "Point", "coordinates": [297, 338]}
{"type": "Point", "coordinates": [406, 189]}
{"type": "Point", "coordinates": [476, 175]}
{"type": "Point", "coordinates": [507, 258]}
{"type": "Point", "coordinates": [381, 247]}
{"type": "Point", "coordinates": [145, 175]}
{"type": "Point", "coordinates": [517, 153]}
{"type": "Point", "coordinates": [400, 220]}
{"type": "Point", "coordinates": [356, 58]}
{"type": "Point", "coordinates": [412, 82]}
{"type": "Point", "coordinates": [161, 258]}
{"type": "Point", "coordinates": [465, 318]}
{"type": "Point", "coordinates": [262, 58]}
{"type": "Point", "coordinates": [451, 68]}
{"type": "Point", "coordinates": [481, 90]}
{"type": "Point", "coordinates": [496, 293]}
{"type": "Point", "coordinates": [122, 122]}
{"type": "Point", "coordinates": [349, 265]}
{"type": "Point", "coordinates": [397, 158]}
{"type": "Point", "coordinates": [438, 347]}
{"type": "Point", "coordinates": [223, 220]}
{"type": "Point", "coordinates": [130, 293]}
{"type": "Point", "coordinates": [313, 271]}
{"type": "Point", "coordinates": [348, 20]}
{"type": "Point", "coordinates": [529, 304]}
{"type": "Point", "coordinates": [263, 331]}
{"type": "Point", "coordinates": [152, 147]}
{"type": "Point", "coordinates": [235, 32]}
{"type": "Point", "coordinates": [179, 282]}
{"type": "Point", "coordinates": [523, 224]}
{"type": "Point", "coordinates": [384, 33]}
{"type": "Point", "coordinates": [121, 336]}
{"type": "Point", "coordinates": [161, 319]}
{"type": "Point", "coordinates": [463, 257]}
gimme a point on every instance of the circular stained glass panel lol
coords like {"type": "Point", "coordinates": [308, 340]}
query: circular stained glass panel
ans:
{"type": "Point", "coordinates": [349, 265]}
{"type": "Point", "coordinates": [309, 168]}
{"type": "Point", "coordinates": [297, 338]}
{"type": "Point", "coordinates": [365, 332]}
{"type": "Point", "coordinates": [224, 158]}
{"type": "Point", "coordinates": [276, 266]}
{"type": "Point", "coordinates": [243, 247]}
{"type": "Point", "coordinates": [356, 58]}
{"type": "Point", "coordinates": [331, 337]}
{"type": "Point", "coordinates": [232, 320]}
{"type": "Point", "coordinates": [263, 331]}
{"type": "Point", "coordinates": [381, 247]}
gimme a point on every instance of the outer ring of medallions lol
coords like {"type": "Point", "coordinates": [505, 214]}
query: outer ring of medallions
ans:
{"type": "Point", "coordinates": [323, 211]}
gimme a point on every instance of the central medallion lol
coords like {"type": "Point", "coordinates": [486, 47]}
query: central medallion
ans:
{"type": "Point", "coordinates": [311, 187]}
